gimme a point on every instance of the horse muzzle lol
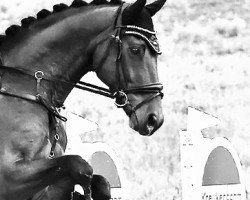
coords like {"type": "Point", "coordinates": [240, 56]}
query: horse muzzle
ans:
{"type": "Point", "coordinates": [146, 123]}
{"type": "Point", "coordinates": [149, 126]}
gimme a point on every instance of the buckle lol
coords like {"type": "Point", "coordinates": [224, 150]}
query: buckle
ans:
{"type": "Point", "coordinates": [121, 99]}
{"type": "Point", "coordinates": [39, 75]}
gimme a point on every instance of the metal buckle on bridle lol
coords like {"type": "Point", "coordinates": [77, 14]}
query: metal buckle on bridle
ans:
{"type": "Point", "coordinates": [119, 43]}
{"type": "Point", "coordinates": [116, 37]}
{"type": "Point", "coordinates": [120, 96]}
{"type": "Point", "coordinates": [51, 155]}
{"type": "Point", "coordinates": [39, 75]}
{"type": "Point", "coordinates": [57, 137]}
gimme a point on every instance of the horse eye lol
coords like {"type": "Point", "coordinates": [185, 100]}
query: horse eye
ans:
{"type": "Point", "coordinates": [135, 50]}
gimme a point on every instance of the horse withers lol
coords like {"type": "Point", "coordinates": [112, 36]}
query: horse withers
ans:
{"type": "Point", "coordinates": [43, 60]}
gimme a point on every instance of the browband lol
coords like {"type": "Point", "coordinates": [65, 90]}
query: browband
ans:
{"type": "Point", "coordinates": [148, 36]}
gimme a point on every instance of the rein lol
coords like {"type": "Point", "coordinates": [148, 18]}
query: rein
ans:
{"type": "Point", "coordinates": [40, 75]}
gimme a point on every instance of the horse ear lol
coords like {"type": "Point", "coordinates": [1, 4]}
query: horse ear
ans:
{"type": "Point", "coordinates": [134, 9]}
{"type": "Point", "coordinates": [155, 6]}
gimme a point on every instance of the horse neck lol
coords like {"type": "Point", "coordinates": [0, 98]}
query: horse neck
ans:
{"type": "Point", "coordinates": [61, 49]}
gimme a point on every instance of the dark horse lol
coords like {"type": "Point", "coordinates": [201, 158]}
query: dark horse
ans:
{"type": "Point", "coordinates": [43, 60]}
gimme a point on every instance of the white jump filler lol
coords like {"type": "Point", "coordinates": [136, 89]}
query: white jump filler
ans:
{"type": "Point", "coordinates": [211, 168]}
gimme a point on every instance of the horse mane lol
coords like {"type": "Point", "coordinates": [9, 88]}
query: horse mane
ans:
{"type": "Point", "coordinates": [26, 22]}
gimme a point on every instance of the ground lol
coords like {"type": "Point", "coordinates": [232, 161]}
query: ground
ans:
{"type": "Point", "coordinates": [206, 46]}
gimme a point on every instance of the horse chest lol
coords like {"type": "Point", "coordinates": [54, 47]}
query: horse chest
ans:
{"type": "Point", "coordinates": [25, 133]}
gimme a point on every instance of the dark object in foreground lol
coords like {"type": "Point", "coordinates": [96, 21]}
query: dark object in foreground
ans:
{"type": "Point", "coordinates": [100, 189]}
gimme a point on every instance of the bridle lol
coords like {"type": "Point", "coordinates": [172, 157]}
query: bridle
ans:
{"type": "Point", "coordinates": [119, 95]}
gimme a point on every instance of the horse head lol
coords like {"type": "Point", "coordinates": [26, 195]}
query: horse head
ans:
{"type": "Point", "coordinates": [127, 63]}
{"type": "Point", "coordinates": [117, 42]}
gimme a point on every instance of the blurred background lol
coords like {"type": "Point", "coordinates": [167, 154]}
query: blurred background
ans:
{"type": "Point", "coordinates": [205, 64]}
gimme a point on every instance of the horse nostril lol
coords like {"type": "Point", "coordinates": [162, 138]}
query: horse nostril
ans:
{"type": "Point", "coordinates": [152, 120]}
